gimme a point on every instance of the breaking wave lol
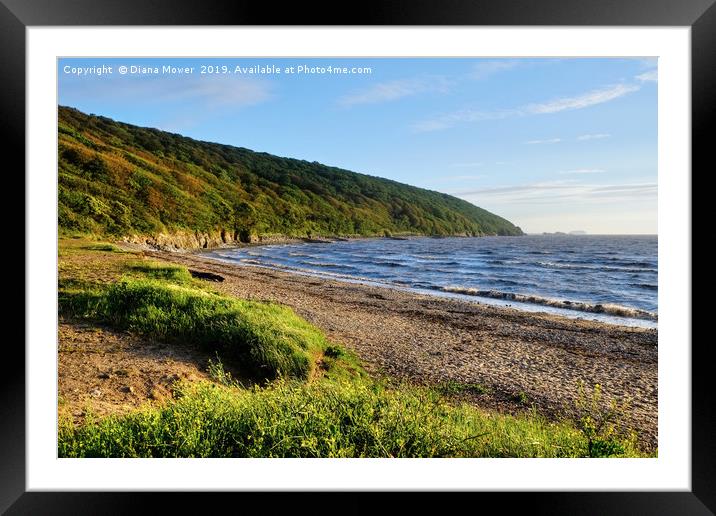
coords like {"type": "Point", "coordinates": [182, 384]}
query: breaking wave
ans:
{"type": "Point", "coordinates": [598, 308]}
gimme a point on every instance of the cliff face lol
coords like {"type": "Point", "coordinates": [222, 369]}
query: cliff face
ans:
{"type": "Point", "coordinates": [179, 240]}
{"type": "Point", "coordinates": [120, 180]}
{"type": "Point", "coordinates": [188, 240]}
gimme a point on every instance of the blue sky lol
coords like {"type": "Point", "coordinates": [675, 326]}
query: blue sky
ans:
{"type": "Point", "coordinates": [550, 144]}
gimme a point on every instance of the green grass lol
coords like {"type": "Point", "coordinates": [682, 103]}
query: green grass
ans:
{"type": "Point", "coordinates": [110, 248]}
{"type": "Point", "coordinates": [452, 387]}
{"type": "Point", "coordinates": [267, 340]}
{"type": "Point", "coordinates": [321, 419]}
{"type": "Point", "coordinates": [161, 271]}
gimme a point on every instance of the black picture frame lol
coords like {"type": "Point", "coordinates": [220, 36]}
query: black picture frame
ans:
{"type": "Point", "coordinates": [700, 15]}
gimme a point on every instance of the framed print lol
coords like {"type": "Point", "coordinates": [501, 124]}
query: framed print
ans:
{"type": "Point", "coordinates": [442, 249]}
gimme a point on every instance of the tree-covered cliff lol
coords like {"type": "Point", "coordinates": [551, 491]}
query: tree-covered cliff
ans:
{"type": "Point", "coordinates": [118, 179]}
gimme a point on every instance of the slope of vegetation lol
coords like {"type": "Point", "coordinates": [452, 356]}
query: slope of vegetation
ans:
{"type": "Point", "coordinates": [163, 302]}
{"type": "Point", "coordinates": [117, 179]}
{"type": "Point", "coordinates": [267, 339]}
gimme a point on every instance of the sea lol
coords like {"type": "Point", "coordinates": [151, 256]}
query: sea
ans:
{"type": "Point", "coordinates": [608, 278]}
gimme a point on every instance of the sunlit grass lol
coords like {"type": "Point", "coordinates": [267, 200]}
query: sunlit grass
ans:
{"type": "Point", "coordinates": [323, 419]}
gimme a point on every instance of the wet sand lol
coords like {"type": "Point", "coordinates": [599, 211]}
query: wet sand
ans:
{"type": "Point", "coordinates": [524, 359]}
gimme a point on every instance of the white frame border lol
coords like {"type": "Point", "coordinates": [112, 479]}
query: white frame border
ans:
{"type": "Point", "coordinates": [670, 471]}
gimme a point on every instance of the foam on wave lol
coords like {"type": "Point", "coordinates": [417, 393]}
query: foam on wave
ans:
{"type": "Point", "coordinates": [598, 308]}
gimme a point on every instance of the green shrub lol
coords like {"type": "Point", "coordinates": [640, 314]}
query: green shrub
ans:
{"type": "Point", "coordinates": [604, 427]}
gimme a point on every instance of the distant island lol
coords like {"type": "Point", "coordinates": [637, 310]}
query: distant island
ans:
{"type": "Point", "coordinates": [117, 179]}
{"type": "Point", "coordinates": [574, 233]}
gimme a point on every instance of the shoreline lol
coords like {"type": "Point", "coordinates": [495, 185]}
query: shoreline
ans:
{"type": "Point", "coordinates": [539, 308]}
{"type": "Point", "coordinates": [607, 314]}
{"type": "Point", "coordinates": [523, 359]}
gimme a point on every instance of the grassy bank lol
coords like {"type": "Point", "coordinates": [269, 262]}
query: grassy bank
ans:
{"type": "Point", "coordinates": [321, 419]}
{"type": "Point", "coordinates": [312, 398]}
{"type": "Point", "coordinates": [268, 340]}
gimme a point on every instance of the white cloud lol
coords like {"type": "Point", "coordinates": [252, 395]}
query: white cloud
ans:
{"type": "Point", "coordinates": [562, 191]}
{"type": "Point", "coordinates": [588, 99]}
{"type": "Point", "coordinates": [539, 142]}
{"type": "Point", "coordinates": [396, 90]}
{"type": "Point", "coordinates": [650, 76]}
{"type": "Point", "coordinates": [225, 92]}
{"type": "Point", "coordinates": [583, 171]}
{"type": "Point", "coordinates": [465, 115]}
{"type": "Point", "coordinates": [215, 91]}
{"type": "Point", "coordinates": [191, 100]}
{"type": "Point", "coordinates": [591, 98]}
{"type": "Point", "coordinates": [485, 69]}
{"type": "Point", "coordinates": [567, 204]}
{"type": "Point", "coordinates": [597, 136]}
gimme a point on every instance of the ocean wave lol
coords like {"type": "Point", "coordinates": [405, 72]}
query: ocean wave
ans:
{"type": "Point", "coordinates": [573, 266]}
{"type": "Point", "coordinates": [249, 261]}
{"type": "Point", "coordinates": [646, 286]}
{"type": "Point", "coordinates": [600, 308]}
{"type": "Point", "coordinates": [472, 273]}
{"type": "Point", "coordinates": [503, 281]}
{"type": "Point", "coordinates": [306, 271]}
{"type": "Point", "coordinates": [606, 280]}
{"type": "Point", "coordinates": [506, 261]}
{"type": "Point", "coordinates": [223, 256]}
{"type": "Point", "coordinates": [630, 263]}
{"type": "Point", "coordinates": [325, 264]}
{"type": "Point", "coordinates": [389, 264]}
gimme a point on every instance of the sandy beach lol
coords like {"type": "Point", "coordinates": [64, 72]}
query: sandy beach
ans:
{"type": "Point", "coordinates": [524, 359]}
